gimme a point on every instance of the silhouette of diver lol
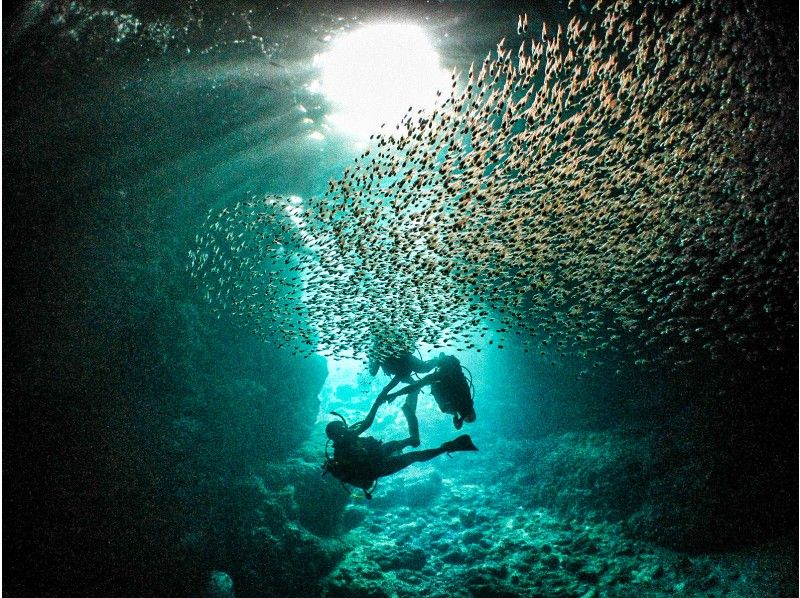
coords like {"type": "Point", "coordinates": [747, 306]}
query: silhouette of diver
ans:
{"type": "Point", "coordinates": [449, 388]}
{"type": "Point", "coordinates": [360, 461]}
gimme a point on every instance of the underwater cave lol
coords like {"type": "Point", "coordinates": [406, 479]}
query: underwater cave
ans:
{"type": "Point", "coordinates": [218, 217]}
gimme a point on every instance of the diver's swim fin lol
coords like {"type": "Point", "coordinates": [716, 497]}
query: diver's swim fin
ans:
{"type": "Point", "coordinates": [461, 443]}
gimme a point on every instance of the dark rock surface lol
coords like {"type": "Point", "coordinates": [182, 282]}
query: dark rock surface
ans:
{"type": "Point", "coordinates": [136, 411]}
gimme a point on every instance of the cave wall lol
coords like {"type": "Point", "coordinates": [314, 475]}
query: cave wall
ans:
{"type": "Point", "coordinates": [131, 411]}
{"type": "Point", "coordinates": [697, 459]}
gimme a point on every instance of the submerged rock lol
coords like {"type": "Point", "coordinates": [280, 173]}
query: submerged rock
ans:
{"type": "Point", "coordinates": [220, 585]}
{"type": "Point", "coordinates": [413, 559]}
{"type": "Point", "coordinates": [415, 492]}
{"type": "Point", "coordinates": [353, 516]}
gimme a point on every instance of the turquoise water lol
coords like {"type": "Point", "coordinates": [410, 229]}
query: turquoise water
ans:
{"type": "Point", "coordinates": [158, 443]}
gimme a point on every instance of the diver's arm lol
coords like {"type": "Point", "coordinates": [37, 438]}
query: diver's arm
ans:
{"type": "Point", "coordinates": [422, 367]}
{"type": "Point", "coordinates": [413, 387]}
{"type": "Point", "coordinates": [392, 383]}
{"type": "Point", "coordinates": [363, 425]}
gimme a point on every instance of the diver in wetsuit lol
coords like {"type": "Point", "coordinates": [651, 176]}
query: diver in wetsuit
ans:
{"type": "Point", "coordinates": [449, 388]}
{"type": "Point", "coordinates": [360, 461]}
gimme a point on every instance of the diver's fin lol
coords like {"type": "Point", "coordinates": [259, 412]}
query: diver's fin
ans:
{"type": "Point", "coordinates": [461, 443]}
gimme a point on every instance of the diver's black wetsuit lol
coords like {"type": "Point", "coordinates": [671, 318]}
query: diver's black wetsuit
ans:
{"type": "Point", "coordinates": [361, 461]}
{"type": "Point", "coordinates": [449, 388]}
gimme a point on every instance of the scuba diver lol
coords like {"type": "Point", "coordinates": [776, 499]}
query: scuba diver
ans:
{"type": "Point", "coordinates": [360, 461]}
{"type": "Point", "coordinates": [449, 387]}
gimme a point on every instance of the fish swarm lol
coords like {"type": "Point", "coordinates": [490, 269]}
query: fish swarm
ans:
{"type": "Point", "coordinates": [622, 182]}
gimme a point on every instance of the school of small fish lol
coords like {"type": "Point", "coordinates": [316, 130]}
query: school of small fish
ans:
{"type": "Point", "coordinates": [623, 182]}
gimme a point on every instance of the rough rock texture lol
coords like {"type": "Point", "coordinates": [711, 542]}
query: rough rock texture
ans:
{"type": "Point", "coordinates": [672, 491]}
{"type": "Point", "coordinates": [599, 475]}
{"type": "Point", "coordinates": [270, 553]}
{"type": "Point", "coordinates": [139, 411]}
{"type": "Point", "coordinates": [136, 412]}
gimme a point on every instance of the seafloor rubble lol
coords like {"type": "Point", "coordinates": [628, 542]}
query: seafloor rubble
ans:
{"type": "Point", "coordinates": [564, 515]}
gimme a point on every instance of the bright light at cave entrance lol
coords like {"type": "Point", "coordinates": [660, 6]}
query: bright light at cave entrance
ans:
{"type": "Point", "coordinates": [374, 74]}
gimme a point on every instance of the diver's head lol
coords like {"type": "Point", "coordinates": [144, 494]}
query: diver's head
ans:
{"type": "Point", "coordinates": [336, 430]}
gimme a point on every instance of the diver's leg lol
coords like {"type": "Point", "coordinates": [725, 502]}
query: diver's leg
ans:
{"type": "Point", "coordinates": [397, 462]}
{"type": "Point", "coordinates": [410, 411]}
{"type": "Point", "coordinates": [394, 463]}
{"type": "Point", "coordinates": [393, 446]}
